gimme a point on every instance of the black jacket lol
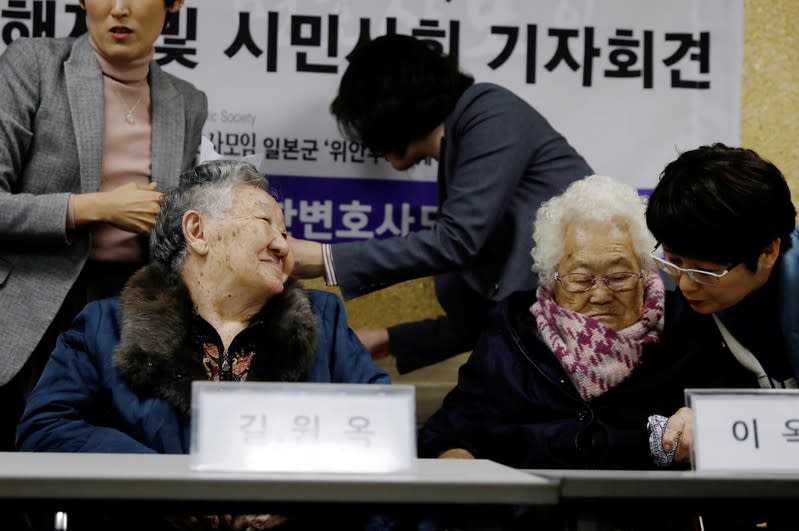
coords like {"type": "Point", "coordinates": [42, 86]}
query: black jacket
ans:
{"type": "Point", "coordinates": [515, 404]}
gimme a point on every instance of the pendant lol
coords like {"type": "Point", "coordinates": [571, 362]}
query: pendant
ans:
{"type": "Point", "coordinates": [129, 117]}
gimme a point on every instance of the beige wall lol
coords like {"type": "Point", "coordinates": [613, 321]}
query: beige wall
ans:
{"type": "Point", "coordinates": [770, 125]}
{"type": "Point", "coordinates": [770, 106]}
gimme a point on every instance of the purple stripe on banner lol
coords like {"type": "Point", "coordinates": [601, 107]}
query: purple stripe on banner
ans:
{"type": "Point", "coordinates": [330, 209]}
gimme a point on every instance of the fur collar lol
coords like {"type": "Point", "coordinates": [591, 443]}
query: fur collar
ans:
{"type": "Point", "coordinates": [156, 357]}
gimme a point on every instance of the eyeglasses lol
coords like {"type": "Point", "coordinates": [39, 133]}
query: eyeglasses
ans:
{"type": "Point", "coordinates": [708, 278]}
{"type": "Point", "coordinates": [583, 282]}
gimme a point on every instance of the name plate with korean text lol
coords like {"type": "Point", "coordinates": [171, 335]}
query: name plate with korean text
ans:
{"type": "Point", "coordinates": [303, 427]}
{"type": "Point", "coordinates": [755, 430]}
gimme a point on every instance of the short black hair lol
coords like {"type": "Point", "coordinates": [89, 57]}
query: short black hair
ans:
{"type": "Point", "coordinates": [721, 204]}
{"type": "Point", "coordinates": [396, 90]}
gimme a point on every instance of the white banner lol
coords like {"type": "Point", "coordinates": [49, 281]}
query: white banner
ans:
{"type": "Point", "coordinates": [629, 83]}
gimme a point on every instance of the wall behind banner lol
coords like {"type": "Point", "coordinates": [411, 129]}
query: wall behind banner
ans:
{"type": "Point", "coordinates": [769, 125]}
{"type": "Point", "coordinates": [770, 91]}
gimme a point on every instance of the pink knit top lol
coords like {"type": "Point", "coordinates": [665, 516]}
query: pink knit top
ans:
{"type": "Point", "coordinates": [127, 149]}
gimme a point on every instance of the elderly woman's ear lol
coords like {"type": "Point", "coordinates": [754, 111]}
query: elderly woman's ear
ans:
{"type": "Point", "coordinates": [194, 232]}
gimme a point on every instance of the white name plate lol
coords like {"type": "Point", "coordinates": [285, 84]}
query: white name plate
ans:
{"type": "Point", "coordinates": [754, 430]}
{"type": "Point", "coordinates": [302, 427]}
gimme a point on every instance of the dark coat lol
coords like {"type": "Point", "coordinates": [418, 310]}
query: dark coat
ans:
{"type": "Point", "coordinates": [788, 303]}
{"type": "Point", "coordinates": [120, 379]}
{"type": "Point", "coordinates": [767, 321]}
{"type": "Point", "coordinates": [515, 404]}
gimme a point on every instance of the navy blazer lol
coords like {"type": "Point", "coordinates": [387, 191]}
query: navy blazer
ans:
{"type": "Point", "coordinates": [500, 159]}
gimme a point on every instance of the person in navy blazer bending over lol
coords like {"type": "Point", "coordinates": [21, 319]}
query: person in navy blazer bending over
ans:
{"type": "Point", "coordinates": [498, 160]}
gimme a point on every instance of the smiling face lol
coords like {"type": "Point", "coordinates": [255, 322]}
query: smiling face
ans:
{"type": "Point", "coordinates": [599, 250]}
{"type": "Point", "coordinates": [126, 30]}
{"type": "Point", "coordinates": [247, 247]}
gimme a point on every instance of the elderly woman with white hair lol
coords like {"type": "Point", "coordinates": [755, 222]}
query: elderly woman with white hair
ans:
{"type": "Point", "coordinates": [580, 373]}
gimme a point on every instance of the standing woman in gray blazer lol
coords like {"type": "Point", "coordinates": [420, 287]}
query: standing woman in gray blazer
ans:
{"type": "Point", "coordinates": [90, 129]}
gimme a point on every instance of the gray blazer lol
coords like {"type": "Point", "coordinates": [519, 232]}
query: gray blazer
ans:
{"type": "Point", "coordinates": [51, 145]}
{"type": "Point", "coordinates": [500, 159]}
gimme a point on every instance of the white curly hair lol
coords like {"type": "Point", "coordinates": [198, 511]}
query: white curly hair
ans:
{"type": "Point", "coordinates": [596, 198]}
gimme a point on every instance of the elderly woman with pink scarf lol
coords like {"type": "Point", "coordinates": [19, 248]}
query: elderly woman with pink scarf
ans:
{"type": "Point", "coordinates": [584, 372]}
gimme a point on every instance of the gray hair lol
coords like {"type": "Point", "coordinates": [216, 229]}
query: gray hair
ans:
{"type": "Point", "coordinates": [207, 188]}
{"type": "Point", "coordinates": [594, 199]}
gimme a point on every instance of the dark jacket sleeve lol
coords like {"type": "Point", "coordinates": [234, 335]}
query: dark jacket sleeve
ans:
{"type": "Point", "coordinates": [614, 447]}
{"type": "Point", "coordinates": [458, 423]}
{"type": "Point", "coordinates": [349, 360]}
{"type": "Point", "coordinates": [485, 414]}
{"type": "Point", "coordinates": [64, 411]}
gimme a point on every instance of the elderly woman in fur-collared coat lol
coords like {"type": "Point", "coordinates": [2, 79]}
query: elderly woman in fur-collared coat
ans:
{"type": "Point", "coordinates": [215, 304]}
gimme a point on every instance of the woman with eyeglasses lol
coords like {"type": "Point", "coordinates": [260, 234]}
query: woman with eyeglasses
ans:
{"type": "Point", "coordinates": [726, 228]}
{"type": "Point", "coordinates": [568, 376]}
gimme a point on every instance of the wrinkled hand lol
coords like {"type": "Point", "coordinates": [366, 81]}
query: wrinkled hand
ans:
{"type": "Point", "coordinates": [680, 432]}
{"type": "Point", "coordinates": [132, 207]}
{"type": "Point", "coordinates": [375, 340]}
{"type": "Point", "coordinates": [456, 453]}
{"type": "Point", "coordinates": [308, 261]}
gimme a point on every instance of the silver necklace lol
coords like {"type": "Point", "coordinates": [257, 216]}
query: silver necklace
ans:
{"type": "Point", "coordinates": [129, 117]}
